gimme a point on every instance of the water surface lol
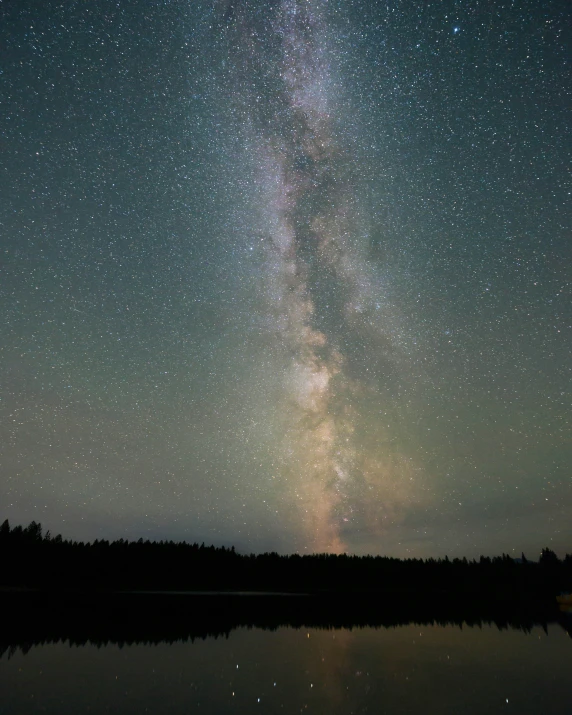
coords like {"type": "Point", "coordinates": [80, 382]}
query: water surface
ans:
{"type": "Point", "coordinates": [406, 669]}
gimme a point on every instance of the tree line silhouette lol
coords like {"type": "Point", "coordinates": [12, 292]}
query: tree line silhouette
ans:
{"type": "Point", "coordinates": [33, 559]}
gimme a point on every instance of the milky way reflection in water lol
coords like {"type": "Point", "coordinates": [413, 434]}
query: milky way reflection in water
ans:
{"type": "Point", "coordinates": [408, 669]}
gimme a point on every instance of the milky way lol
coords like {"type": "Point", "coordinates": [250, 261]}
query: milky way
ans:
{"type": "Point", "coordinates": [289, 275]}
{"type": "Point", "coordinates": [320, 291]}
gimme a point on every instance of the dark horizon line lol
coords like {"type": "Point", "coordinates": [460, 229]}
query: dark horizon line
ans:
{"type": "Point", "coordinates": [35, 529]}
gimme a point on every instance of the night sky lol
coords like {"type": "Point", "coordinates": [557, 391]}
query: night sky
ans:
{"type": "Point", "coordinates": [291, 275]}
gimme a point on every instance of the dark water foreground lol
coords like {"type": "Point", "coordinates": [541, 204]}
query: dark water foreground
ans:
{"type": "Point", "coordinates": [216, 653]}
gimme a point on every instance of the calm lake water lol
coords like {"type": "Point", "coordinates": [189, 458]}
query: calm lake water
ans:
{"type": "Point", "coordinates": [407, 669]}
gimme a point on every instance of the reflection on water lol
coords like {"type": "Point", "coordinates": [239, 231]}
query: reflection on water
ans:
{"type": "Point", "coordinates": [404, 669]}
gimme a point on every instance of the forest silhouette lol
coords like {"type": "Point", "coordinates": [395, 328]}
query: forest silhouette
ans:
{"type": "Point", "coordinates": [126, 592]}
{"type": "Point", "coordinates": [36, 560]}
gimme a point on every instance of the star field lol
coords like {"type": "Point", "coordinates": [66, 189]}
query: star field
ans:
{"type": "Point", "coordinates": [291, 275]}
